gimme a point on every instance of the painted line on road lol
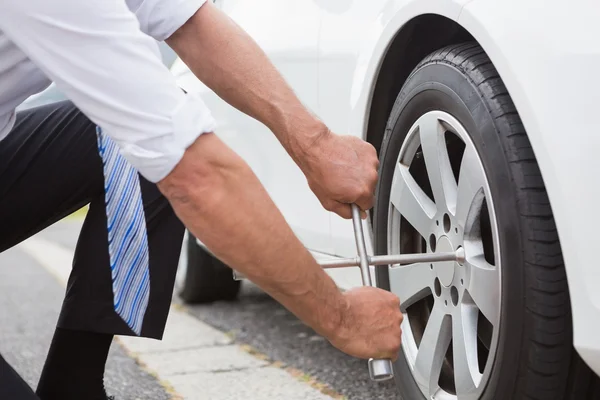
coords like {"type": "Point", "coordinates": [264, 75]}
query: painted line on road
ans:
{"type": "Point", "coordinates": [195, 361]}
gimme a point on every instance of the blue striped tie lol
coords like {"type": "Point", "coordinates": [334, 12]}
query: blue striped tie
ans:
{"type": "Point", "coordinates": [127, 238]}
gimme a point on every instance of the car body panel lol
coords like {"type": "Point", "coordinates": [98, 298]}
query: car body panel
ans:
{"type": "Point", "coordinates": [291, 41]}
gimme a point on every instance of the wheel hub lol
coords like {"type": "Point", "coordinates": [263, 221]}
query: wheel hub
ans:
{"type": "Point", "coordinates": [445, 270]}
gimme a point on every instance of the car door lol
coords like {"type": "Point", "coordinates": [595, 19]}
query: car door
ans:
{"type": "Point", "coordinates": [288, 32]}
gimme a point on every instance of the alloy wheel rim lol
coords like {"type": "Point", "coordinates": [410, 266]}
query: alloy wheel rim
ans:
{"type": "Point", "coordinates": [451, 310]}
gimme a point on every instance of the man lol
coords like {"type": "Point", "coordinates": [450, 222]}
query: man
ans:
{"type": "Point", "coordinates": [54, 159]}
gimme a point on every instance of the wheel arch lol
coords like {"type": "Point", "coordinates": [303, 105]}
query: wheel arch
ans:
{"type": "Point", "coordinates": [414, 41]}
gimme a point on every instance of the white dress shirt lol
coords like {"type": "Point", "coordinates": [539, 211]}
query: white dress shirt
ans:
{"type": "Point", "coordinates": [101, 55]}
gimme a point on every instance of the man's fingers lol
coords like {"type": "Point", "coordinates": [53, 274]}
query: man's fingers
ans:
{"type": "Point", "coordinates": [366, 201]}
{"type": "Point", "coordinates": [345, 210]}
{"type": "Point", "coordinates": [341, 209]}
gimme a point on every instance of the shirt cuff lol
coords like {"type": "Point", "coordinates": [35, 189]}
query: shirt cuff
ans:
{"type": "Point", "coordinates": [178, 14]}
{"type": "Point", "coordinates": [156, 157]}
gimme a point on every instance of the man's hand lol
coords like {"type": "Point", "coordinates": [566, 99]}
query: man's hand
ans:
{"type": "Point", "coordinates": [341, 170]}
{"type": "Point", "coordinates": [370, 326]}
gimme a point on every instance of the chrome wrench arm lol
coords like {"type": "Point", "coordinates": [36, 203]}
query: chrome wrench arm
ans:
{"type": "Point", "coordinates": [379, 369]}
{"type": "Point", "coordinates": [392, 259]}
{"type": "Point", "coordinates": [395, 259]}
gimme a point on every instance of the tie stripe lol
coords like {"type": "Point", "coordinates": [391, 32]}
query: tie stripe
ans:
{"type": "Point", "coordinates": [127, 237]}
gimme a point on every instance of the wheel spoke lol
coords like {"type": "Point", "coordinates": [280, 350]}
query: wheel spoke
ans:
{"type": "Point", "coordinates": [437, 162]}
{"type": "Point", "coordinates": [411, 201]}
{"type": "Point", "coordinates": [464, 351]}
{"type": "Point", "coordinates": [433, 347]}
{"type": "Point", "coordinates": [471, 181]}
{"type": "Point", "coordinates": [410, 283]}
{"type": "Point", "coordinates": [484, 287]}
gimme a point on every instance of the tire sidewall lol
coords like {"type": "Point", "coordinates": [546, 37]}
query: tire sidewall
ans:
{"type": "Point", "coordinates": [206, 279]}
{"type": "Point", "coordinates": [443, 87]}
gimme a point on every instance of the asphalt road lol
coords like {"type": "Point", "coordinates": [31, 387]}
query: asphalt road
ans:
{"type": "Point", "coordinates": [33, 297]}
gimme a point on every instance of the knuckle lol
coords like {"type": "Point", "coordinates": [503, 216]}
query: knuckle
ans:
{"type": "Point", "coordinates": [392, 297]}
{"type": "Point", "coordinates": [374, 176]}
{"type": "Point", "coordinates": [367, 190]}
{"type": "Point", "coordinates": [394, 346]}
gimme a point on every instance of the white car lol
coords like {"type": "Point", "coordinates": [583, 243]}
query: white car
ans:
{"type": "Point", "coordinates": [484, 116]}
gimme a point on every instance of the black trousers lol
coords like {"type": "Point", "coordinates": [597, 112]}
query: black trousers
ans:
{"type": "Point", "coordinates": [50, 167]}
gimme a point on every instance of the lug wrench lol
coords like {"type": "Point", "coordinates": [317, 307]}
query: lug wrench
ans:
{"type": "Point", "coordinates": [379, 369]}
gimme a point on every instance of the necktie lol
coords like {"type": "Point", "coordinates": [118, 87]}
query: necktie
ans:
{"type": "Point", "coordinates": [127, 238]}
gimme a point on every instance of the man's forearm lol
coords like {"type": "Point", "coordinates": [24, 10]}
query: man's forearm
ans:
{"type": "Point", "coordinates": [228, 61]}
{"type": "Point", "coordinates": [221, 202]}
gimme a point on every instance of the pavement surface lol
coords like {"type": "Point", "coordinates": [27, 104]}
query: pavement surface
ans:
{"type": "Point", "coordinates": [259, 321]}
{"type": "Point", "coordinates": [250, 349]}
{"type": "Point", "coordinates": [30, 298]}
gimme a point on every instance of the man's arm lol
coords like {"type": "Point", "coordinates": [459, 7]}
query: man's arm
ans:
{"type": "Point", "coordinates": [221, 201]}
{"type": "Point", "coordinates": [241, 216]}
{"type": "Point", "coordinates": [340, 169]}
{"type": "Point", "coordinates": [223, 204]}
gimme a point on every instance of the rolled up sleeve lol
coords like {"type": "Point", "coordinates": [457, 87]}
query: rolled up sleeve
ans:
{"type": "Point", "coordinates": [97, 54]}
{"type": "Point", "coordinates": [161, 18]}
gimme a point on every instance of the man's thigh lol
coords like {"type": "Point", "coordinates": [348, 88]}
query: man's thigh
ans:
{"type": "Point", "coordinates": [49, 167]}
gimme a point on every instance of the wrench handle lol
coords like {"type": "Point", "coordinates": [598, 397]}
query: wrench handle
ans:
{"type": "Point", "coordinates": [379, 369]}
{"type": "Point", "coordinates": [361, 247]}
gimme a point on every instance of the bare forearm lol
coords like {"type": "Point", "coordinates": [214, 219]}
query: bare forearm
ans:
{"type": "Point", "coordinates": [228, 61]}
{"type": "Point", "coordinates": [221, 202]}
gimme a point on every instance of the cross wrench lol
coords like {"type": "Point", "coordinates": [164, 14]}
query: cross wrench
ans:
{"type": "Point", "coordinates": [379, 369]}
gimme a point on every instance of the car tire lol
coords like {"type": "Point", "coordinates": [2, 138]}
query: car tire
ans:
{"type": "Point", "coordinates": [205, 279]}
{"type": "Point", "coordinates": [534, 357]}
